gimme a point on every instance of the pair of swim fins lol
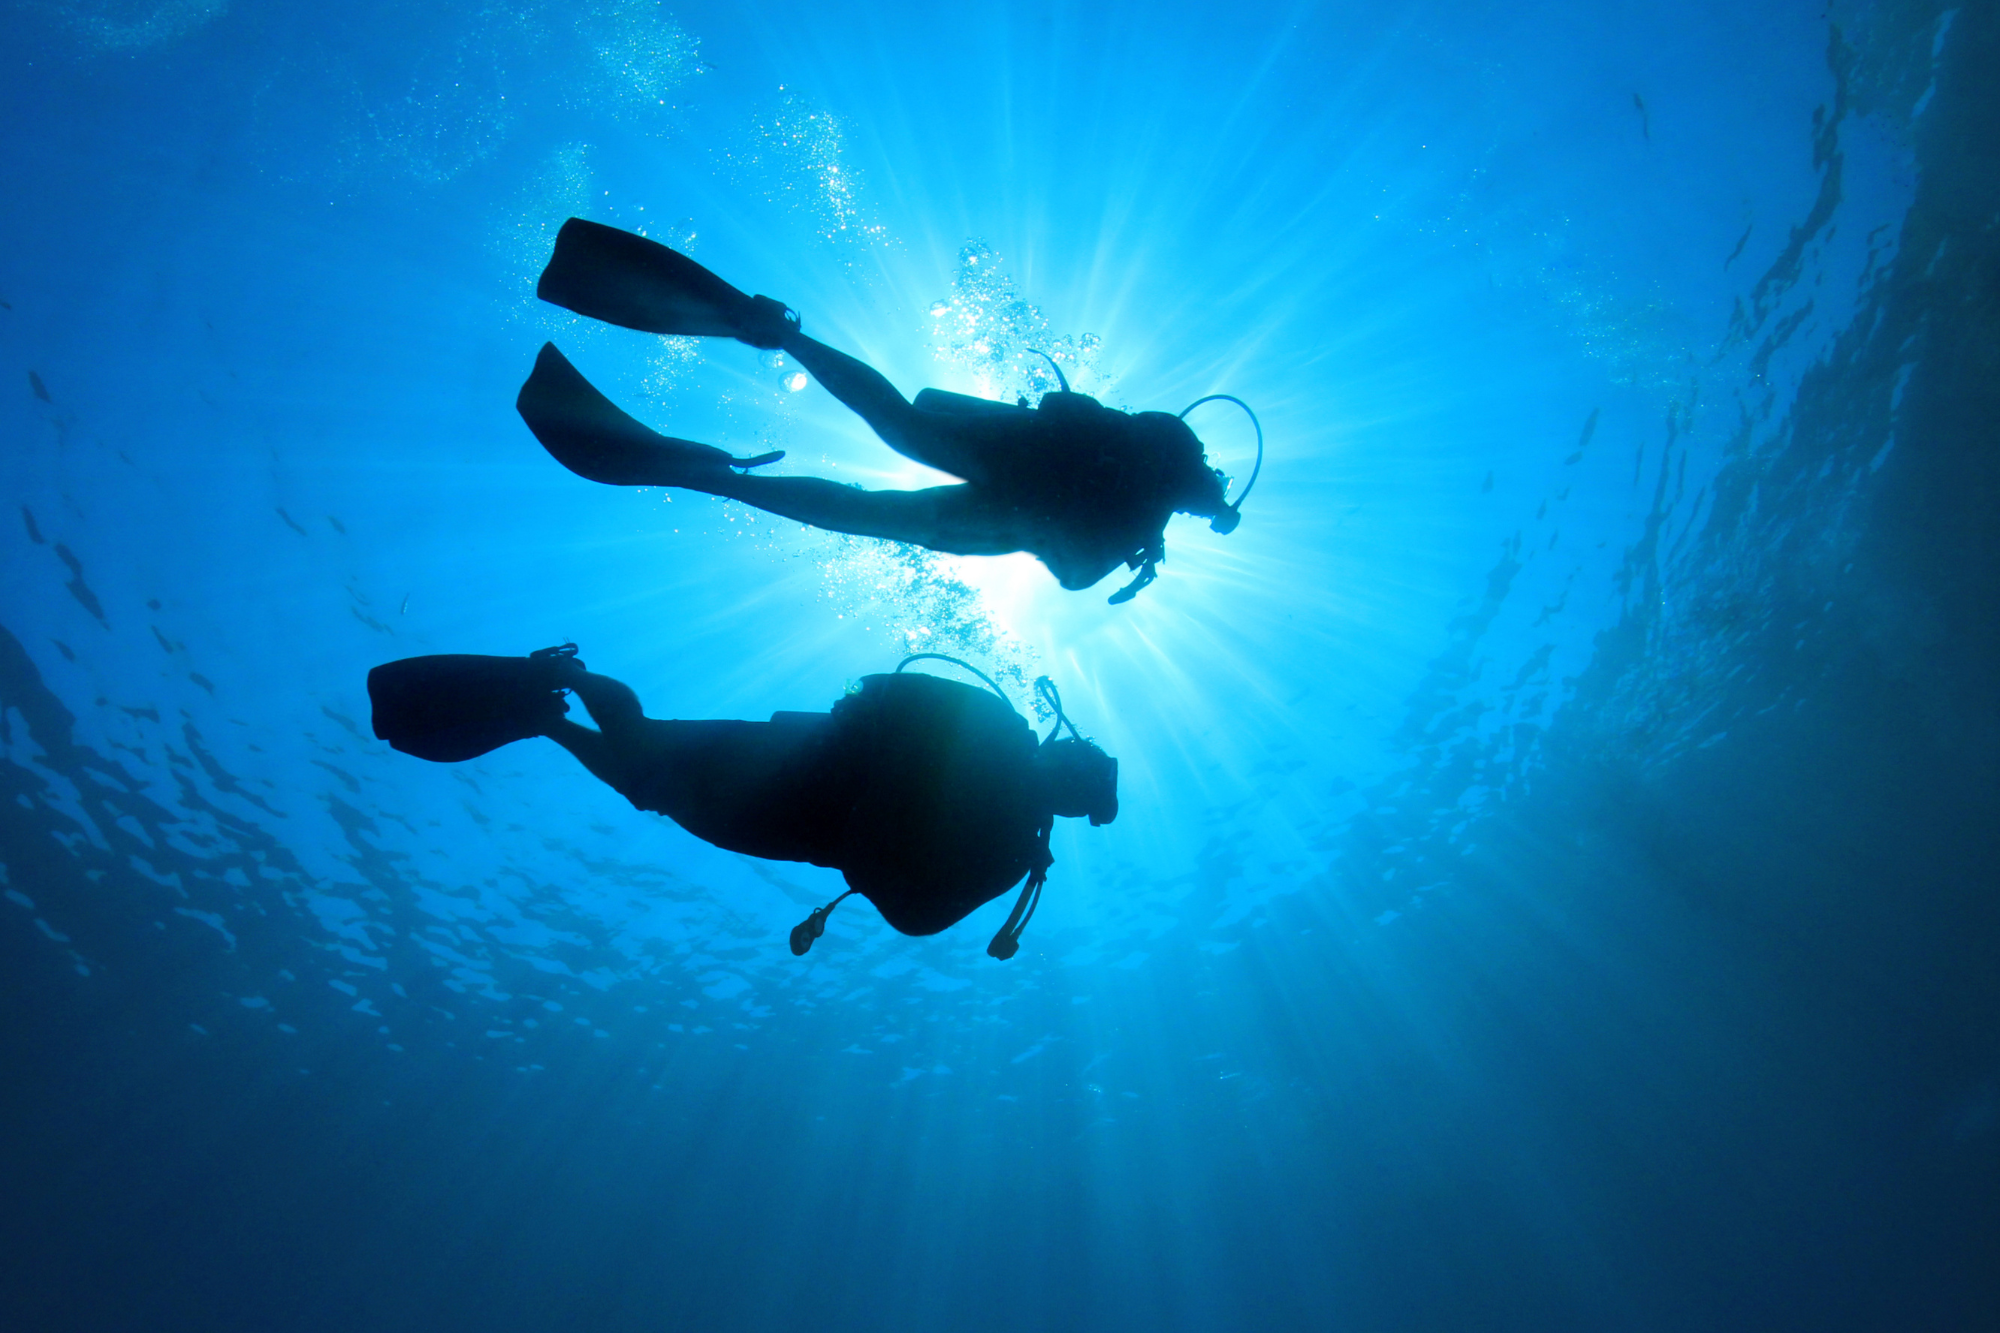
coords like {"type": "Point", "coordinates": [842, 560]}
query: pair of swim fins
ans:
{"type": "Point", "coordinates": [610, 275]}
{"type": "Point", "coordinates": [450, 707]}
{"type": "Point", "coordinates": [457, 706]}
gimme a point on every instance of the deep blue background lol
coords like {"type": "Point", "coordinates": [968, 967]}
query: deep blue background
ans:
{"type": "Point", "coordinates": [1554, 883]}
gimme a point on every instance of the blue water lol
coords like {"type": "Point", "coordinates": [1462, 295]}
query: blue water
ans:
{"type": "Point", "coordinates": [1554, 887]}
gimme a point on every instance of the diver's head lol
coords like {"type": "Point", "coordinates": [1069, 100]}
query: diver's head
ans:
{"type": "Point", "coordinates": [1205, 492]}
{"type": "Point", "coordinates": [1209, 499]}
{"type": "Point", "coordinates": [1078, 780]}
{"type": "Point", "coordinates": [1190, 485]}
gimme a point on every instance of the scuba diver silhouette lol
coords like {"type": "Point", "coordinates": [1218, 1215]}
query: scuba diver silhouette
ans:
{"type": "Point", "coordinates": [1082, 487]}
{"type": "Point", "coordinates": [931, 797]}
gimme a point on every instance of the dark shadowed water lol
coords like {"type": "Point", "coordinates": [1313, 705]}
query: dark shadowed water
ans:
{"type": "Point", "coordinates": [1556, 881]}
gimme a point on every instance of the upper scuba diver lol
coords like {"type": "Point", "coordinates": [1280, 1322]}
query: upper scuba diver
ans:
{"type": "Point", "coordinates": [1081, 487]}
{"type": "Point", "coordinates": [931, 797]}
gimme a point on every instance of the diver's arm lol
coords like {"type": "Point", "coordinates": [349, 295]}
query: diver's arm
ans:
{"type": "Point", "coordinates": [950, 443]}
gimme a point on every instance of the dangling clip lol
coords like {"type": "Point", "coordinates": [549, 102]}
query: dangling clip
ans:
{"type": "Point", "coordinates": [1146, 575]}
{"type": "Point", "coordinates": [1007, 942]}
{"type": "Point", "coordinates": [812, 927]}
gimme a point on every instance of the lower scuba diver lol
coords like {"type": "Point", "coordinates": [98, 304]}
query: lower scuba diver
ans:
{"type": "Point", "coordinates": [1082, 487]}
{"type": "Point", "coordinates": [931, 797]}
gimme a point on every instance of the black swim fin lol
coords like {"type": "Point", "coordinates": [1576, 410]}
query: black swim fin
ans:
{"type": "Point", "coordinates": [604, 273]}
{"type": "Point", "coordinates": [588, 433]}
{"type": "Point", "coordinates": [455, 706]}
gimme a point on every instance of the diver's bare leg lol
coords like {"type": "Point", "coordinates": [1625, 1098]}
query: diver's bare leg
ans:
{"type": "Point", "coordinates": [957, 520]}
{"type": "Point", "coordinates": [738, 785]}
{"type": "Point", "coordinates": [617, 750]}
{"type": "Point", "coordinates": [931, 438]}
{"type": "Point", "coordinates": [613, 705]}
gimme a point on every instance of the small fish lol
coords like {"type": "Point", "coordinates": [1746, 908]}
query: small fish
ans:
{"type": "Point", "coordinates": [41, 389]}
{"type": "Point", "coordinates": [78, 588]}
{"type": "Point", "coordinates": [291, 523]}
{"type": "Point", "coordinates": [1741, 241]}
{"type": "Point", "coordinates": [404, 609]}
{"type": "Point", "coordinates": [1589, 429]}
{"type": "Point", "coordinates": [338, 526]}
{"type": "Point", "coordinates": [1645, 121]}
{"type": "Point", "coordinates": [347, 723]}
{"type": "Point", "coordinates": [34, 533]}
{"type": "Point", "coordinates": [346, 778]}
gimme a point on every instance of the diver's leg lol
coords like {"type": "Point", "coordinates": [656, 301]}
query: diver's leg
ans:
{"type": "Point", "coordinates": [618, 750]}
{"type": "Point", "coordinates": [594, 750]}
{"type": "Point", "coordinates": [958, 520]}
{"type": "Point", "coordinates": [760, 788]}
{"type": "Point", "coordinates": [613, 705]}
{"type": "Point", "coordinates": [934, 439]}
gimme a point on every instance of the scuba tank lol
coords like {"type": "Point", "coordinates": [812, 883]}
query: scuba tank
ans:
{"type": "Point", "coordinates": [1101, 771]}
